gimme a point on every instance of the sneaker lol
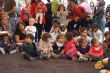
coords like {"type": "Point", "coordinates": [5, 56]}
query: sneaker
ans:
{"type": "Point", "coordinates": [80, 60]}
{"type": "Point", "coordinates": [104, 71]}
{"type": "Point", "coordinates": [31, 58]}
{"type": "Point", "coordinates": [13, 51]}
{"type": "Point", "coordinates": [74, 59]}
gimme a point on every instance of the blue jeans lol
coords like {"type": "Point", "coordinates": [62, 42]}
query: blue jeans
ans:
{"type": "Point", "coordinates": [12, 22]}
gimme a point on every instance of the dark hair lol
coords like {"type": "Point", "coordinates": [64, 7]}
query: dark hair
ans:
{"type": "Point", "coordinates": [45, 36]}
{"type": "Point", "coordinates": [107, 33]}
{"type": "Point", "coordinates": [30, 36]}
{"type": "Point", "coordinates": [18, 26]}
{"type": "Point", "coordinates": [69, 36]}
{"type": "Point", "coordinates": [60, 7]}
{"type": "Point", "coordinates": [75, 1]}
{"type": "Point", "coordinates": [93, 41]}
{"type": "Point", "coordinates": [95, 25]}
{"type": "Point", "coordinates": [83, 28]}
{"type": "Point", "coordinates": [75, 33]}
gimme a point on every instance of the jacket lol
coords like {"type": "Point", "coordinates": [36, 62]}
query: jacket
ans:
{"type": "Point", "coordinates": [33, 8]}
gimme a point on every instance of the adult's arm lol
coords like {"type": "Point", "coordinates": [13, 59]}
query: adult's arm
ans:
{"type": "Point", "coordinates": [18, 39]}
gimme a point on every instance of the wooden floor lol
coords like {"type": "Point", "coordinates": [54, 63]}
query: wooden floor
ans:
{"type": "Point", "coordinates": [16, 64]}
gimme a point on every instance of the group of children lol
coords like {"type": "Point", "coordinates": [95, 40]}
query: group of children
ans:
{"type": "Point", "coordinates": [79, 45]}
{"type": "Point", "coordinates": [85, 44]}
{"type": "Point", "coordinates": [82, 45]}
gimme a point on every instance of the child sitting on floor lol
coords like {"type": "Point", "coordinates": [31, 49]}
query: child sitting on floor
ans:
{"type": "Point", "coordinates": [29, 47]}
{"type": "Point", "coordinates": [106, 44]}
{"type": "Point", "coordinates": [75, 35]}
{"type": "Point", "coordinates": [45, 46]}
{"type": "Point", "coordinates": [58, 46]}
{"type": "Point", "coordinates": [96, 32]}
{"type": "Point", "coordinates": [69, 50]}
{"type": "Point", "coordinates": [96, 50]}
{"type": "Point", "coordinates": [84, 34]}
{"type": "Point", "coordinates": [55, 31]}
{"type": "Point", "coordinates": [83, 49]}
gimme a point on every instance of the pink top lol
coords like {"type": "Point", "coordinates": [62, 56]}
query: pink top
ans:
{"type": "Point", "coordinates": [70, 48]}
{"type": "Point", "coordinates": [96, 51]}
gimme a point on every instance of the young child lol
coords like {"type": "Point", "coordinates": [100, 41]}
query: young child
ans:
{"type": "Point", "coordinates": [31, 28]}
{"type": "Point", "coordinates": [83, 49]}
{"type": "Point", "coordinates": [96, 50]}
{"type": "Point", "coordinates": [75, 35]}
{"type": "Point", "coordinates": [5, 26]}
{"type": "Point", "coordinates": [29, 47]}
{"type": "Point", "coordinates": [84, 34]}
{"type": "Point", "coordinates": [96, 32]}
{"type": "Point", "coordinates": [39, 13]}
{"type": "Point", "coordinates": [6, 34]}
{"type": "Point", "coordinates": [58, 46]}
{"type": "Point", "coordinates": [45, 46]}
{"type": "Point", "coordinates": [69, 50]}
{"type": "Point", "coordinates": [55, 30]}
{"type": "Point", "coordinates": [106, 44]}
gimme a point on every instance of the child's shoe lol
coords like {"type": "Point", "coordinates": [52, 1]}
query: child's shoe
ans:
{"type": "Point", "coordinates": [13, 51]}
{"type": "Point", "coordinates": [104, 71]}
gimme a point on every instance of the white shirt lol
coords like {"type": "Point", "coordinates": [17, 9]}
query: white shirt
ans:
{"type": "Point", "coordinates": [31, 30]}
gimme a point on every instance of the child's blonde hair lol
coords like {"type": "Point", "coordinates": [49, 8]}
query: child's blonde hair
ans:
{"type": "Point", "coordinates": [5, 16]}
{"type": "Point", "coordinates": [32, 20]}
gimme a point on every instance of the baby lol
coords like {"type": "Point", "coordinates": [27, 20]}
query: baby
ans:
{"type": "Point", "coordinates": [39, 13]}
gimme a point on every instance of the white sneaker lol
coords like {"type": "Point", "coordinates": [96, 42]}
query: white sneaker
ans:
{"type": "Point", "coordinates": [13, 51]}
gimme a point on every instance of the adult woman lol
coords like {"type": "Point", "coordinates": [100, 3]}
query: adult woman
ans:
{"type": "Point", "coordinates": [25, 12]}
{"type": "Point", "coordinates": [76, 16]}
{"type": "Point", "coordinates": [99, 14]}
{"type": "Point", "coordinates": [33, 10]}
{"type": "Point", "coordinates": [20, 34]}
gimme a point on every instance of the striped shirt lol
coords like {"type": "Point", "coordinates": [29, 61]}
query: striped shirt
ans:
{"type": "Point", "coordinates": [107, 13]}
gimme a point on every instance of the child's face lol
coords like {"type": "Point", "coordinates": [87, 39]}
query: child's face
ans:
{"type": "Point", "coordinates": [96, 44]}
{"type": "Point", "coordinates": [107, 37]}
{"type": "Point", "coordinates": [5, 21]}
{"type": "Point", "coordinates": [28, 40]}
{"type": "Point", "coordinates": [31, 23]}
{"type": "Point", "coordinates": [62, 8]}
{"type": "Point", "coordinates": [84, 33]}
{"type": "Point", "coordinates": [84, 43]}
{"type": "Point", "coordinates": [55, 30]}
{"type": "Point", "coordinates": [95, 29]}
{"type": "Point", "coordinates": [61, 39]}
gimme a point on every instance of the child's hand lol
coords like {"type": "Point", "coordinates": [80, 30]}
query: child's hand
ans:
{"type": "Point", "coordinates": [28, 30]}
